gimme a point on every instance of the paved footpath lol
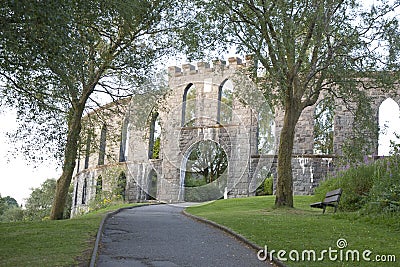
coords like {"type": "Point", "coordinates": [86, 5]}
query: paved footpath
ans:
{"type": "Point", "coordinates": [160, 235]}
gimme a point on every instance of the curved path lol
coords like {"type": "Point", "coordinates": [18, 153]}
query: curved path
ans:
{"type": "Point", "coordinates": [160, 235]}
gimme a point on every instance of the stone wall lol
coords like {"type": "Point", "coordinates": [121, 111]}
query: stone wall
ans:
{"type": "Point", "coordinates": [110, 117]}
{"type": "Point", "coordinates": [128, 130]}
{"type": "Point", "coordinates": [85, 183]}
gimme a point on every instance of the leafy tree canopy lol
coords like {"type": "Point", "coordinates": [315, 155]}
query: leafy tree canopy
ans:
{"type": "Point", "coordinates": [7, 203]}
{"type": "Point", "coordinates": [38, 204]}
{"type": "Point", "coordinates": [58, 54]}
{"type": "Point", "coordinates": [304, 48]}
{"type": "Point", "coordinates": [57, 57]}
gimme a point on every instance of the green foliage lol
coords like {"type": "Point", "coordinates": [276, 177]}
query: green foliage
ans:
{"type": "Point", "coordinates": [266, 187]}
{"type": "Point", "coordinates": [355, 182]}
{"type": "Point", "coordinates": [205, 172]}
{"type": "Point", "coordinates": [202, 193]}
{"type": "Point", "coordinates": [194, 180]}
{"type": "Point", "coordinates": [370, 188]}
{"type": "Point", "coordinates": [384, 196]}
{"type": "Point", "coordinates": [38, 204]}
{"type": "Point", "coordinates": [51, 60]}
{"type": "Point", "coordinates": [116, 178]}
{"type": "Point", "coordinates": [3, 207]}
{"type": "Point", "coordinates": [99, 186]}
{"type": "Point", "coordinates": [10, 210]}
{"type": "Point", "coordinates": [156, 148]}
{"type": "Point", "coordinates": [120, 190]}
{"type": "Point", "coordinates": [323, 126]}
{"type": "Point", "coordinates": [15, 214]}
{"type": "Point", "coordinates": [7, 203]}
{"type": "Point", "coordinates": [105, 200]}
{"type": "Point", "coordinates": [207, 159]}
{"type": "Point", "coordinates": [10, 202]}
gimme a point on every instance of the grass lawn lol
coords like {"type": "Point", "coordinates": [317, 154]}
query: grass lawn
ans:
{"type": "Point", "coordinates": [50, 243]}
{"type": "Point", "coordinates": [304, 228]}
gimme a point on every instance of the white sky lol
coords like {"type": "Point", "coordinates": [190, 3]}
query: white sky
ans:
{"type": "Point", "coordinates": [389, 124]}
{"type": "Point", "coordinates": [18, 176]}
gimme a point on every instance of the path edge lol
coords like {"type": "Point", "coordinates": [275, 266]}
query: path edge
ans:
{"type": "Point", "coordinates": [232, 233]}
{"type": "Point", "coordinates": [93, 259]}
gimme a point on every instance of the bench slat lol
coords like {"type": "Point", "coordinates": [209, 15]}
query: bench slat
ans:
{"type": "Point", "coordinates": [332, 199]}
{"type": "Point", "coordinates": [317, 205]}
{"type": "Point", "coordinates": [334, 192]}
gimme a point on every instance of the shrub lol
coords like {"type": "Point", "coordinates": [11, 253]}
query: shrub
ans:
{"type": "Point", "coordinates": [105, 199]}
{"type": "Point", "coordinates": [14, 214]}
{"type": "Point", "coordinates": [38, 205]}
{"type": "Point", "coordinates": [371, 188]}
{"type": "Point", "coordinates": [202, 193]}
{"type": "Point", "coordinates": [266, 187]}
{"type": "Point", "coordinates": [384, 196]}
{"type": "Point", "coordinates": [356, 183]}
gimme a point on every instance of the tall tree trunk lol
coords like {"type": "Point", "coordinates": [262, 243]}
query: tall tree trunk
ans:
{"type": "Point", "coordinates": [284, 187]}
{"type": "Point", "coordinates": [71, 149]}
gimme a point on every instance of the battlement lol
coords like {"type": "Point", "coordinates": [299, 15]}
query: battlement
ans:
{"type": "Point", "coordinates": [204, 67]}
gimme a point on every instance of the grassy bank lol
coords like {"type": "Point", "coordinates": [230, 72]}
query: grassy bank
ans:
{"type": "Point", "coordinates": [304, 228]}
{"type": "Point", "coordinates": [50, 243]}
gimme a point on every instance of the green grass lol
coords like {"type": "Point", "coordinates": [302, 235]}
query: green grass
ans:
{"type": "Point", "coordinates": [50, 243]}
{"type": "Point", "coordinates": [304, 228]}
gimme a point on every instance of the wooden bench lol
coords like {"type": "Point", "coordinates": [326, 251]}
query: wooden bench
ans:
{"type": "Point", "coordinates": [332, 199]}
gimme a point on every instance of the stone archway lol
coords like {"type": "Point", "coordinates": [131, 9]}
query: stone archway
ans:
{"type": "Point", "coordinates": [204, 172]}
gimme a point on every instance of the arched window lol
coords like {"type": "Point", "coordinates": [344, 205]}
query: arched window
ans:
{"type": "Point", "coordinates": [265, 130]}
{"type": "Point", "coordinates": [78, 161]}
{"type": "Point", "coordinates": [121, 185]}
{"type": "Point", "coordinates": [154, 137]}
{"type": "Point", "coordinates": [123, 151]}
{"type": "Point", "coordinates": [76, 194]}
{"type": "Point", "coordinates": [225, 102]}
{"type": "Point", "coordinates": [87, 151]}
{"type": "Point", "coordinates": [189, 106]}
{"type": "Point", "coordinates": [102, 151]}
{"type": "Point", "coordinates": [84, 189]}
{"type": "Point", "coordinates": [324, 126]}
{"type": "Point", "coordinates": [389, 126]}
{"type": "Point", "coordinates": [99, 185]}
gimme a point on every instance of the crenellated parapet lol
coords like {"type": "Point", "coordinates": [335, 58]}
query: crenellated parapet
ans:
{"type": "Point", "coordinates": [204, 67]}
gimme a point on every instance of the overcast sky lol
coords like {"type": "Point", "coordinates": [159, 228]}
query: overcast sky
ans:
{"type": "Point", "coordinates": [17, 176]}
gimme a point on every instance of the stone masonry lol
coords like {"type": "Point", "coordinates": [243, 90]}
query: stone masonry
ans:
{"type": "Point", "coordinates": [118, 138]}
